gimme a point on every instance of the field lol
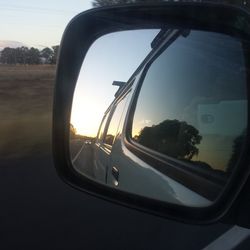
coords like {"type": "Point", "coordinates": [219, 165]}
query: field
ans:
{"type": "Point", "coordinates": [26, 95]}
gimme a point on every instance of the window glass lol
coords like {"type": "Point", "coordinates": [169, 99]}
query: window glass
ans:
{"type": "Point", "coordinates": [115, 121]}
{"type": "Point", "coordinates": [192, 105]}
{"type": "Point", "coordinates": [101, 131]}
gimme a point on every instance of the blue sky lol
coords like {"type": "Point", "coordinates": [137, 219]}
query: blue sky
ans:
{"type": "Point", "coordinates": [115, 57]}
{"type": "Point", "coordinates": [37, 23]}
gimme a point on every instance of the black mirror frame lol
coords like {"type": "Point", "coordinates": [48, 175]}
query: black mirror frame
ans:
{"type": "Point", "coordinates": [80, 33]}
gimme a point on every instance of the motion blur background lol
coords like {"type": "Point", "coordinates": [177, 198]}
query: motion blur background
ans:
{"type": "Point", "coordinates": [37, 209]}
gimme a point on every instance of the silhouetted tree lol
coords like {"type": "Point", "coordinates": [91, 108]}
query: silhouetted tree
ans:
{"type": "Point", "coordinates": [109, 139]}
{"type": "Point", "coordinates": [72, 131]}
{"type": "Point", "coordinates": [237, 148]}
{"type": "Point", "coordinates": [171, 137]}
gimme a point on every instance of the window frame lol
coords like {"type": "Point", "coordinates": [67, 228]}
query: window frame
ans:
{"type": "Point", "coordinates": [123, 96]}
{"type": "Point", "coordinates": [113, 109]}
{"type": "Point", "coordinates": [106, 115]}
{"type": "Point", "coordinates": [204, 182]}
{"type": "Point", "coordinates": [110, 112]}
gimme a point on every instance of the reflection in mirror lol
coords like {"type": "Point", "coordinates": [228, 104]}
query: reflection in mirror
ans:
{"type": "Point", "coordinates": [111, 57]}
{"type": "Point", "coordinates": [174, 125]}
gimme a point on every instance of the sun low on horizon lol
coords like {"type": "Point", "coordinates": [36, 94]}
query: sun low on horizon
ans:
{"type": "Point", "coordinates": [113, 57]}
{"type": "Point", "coordinates": [86, 116]}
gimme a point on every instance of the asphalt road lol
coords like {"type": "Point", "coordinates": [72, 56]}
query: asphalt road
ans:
{"type": "Point", "coordinates": [39, 211]}
{"type": "Point", "coordinates": [75, 147]}
{"type": "Point", "coordinates": [82, 158]}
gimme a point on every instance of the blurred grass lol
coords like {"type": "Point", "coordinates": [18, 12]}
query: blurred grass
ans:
{"type": "Point", "coordinates": [26, 94]}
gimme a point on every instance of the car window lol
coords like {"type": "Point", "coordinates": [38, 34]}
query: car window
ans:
{"type": "Point", "coordinates": [115, 121]}
{"type": "Point", "coordinates": [192, 105]}
{"type": "Point", "coordinates": [102, 127]}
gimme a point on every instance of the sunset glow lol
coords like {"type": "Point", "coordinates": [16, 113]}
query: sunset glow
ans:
{"type": "Point", "coordinates": [111, 58]}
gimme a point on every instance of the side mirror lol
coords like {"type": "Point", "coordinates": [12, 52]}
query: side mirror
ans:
{"type": "Point", "coordinates": [172, 136]}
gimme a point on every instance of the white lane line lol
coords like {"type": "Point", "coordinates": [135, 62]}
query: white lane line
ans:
{"type": "Point", "coordinates": [78, 154]}
{"type": "Point", "coordinates": [230, 239]}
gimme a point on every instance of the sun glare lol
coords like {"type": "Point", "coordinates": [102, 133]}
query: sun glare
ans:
{"type": "Point", "coordinates": [86, 116]}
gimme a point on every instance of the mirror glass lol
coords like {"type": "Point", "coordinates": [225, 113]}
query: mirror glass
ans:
{"type": "Point", "coordinates": [161, 113]}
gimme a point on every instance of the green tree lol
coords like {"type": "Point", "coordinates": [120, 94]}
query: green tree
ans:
{"type": "Point", "coordinates": [47, 53]}
{"type": "Point", "coordinates": [8, 56]}
{"type": "Point", "coordinates": [72, 131]}
{"type": "Point", "coordinates": [22, 54]}
{"type": "Point", "coordinates": [55, 54]}
{"type": "Point", "coordinates": [33, 56]}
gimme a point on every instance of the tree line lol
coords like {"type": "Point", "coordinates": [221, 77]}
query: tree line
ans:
{"type": "Point", "coordinates": [171, 137]}
{"type": "Point", "coordinates": [25, 55]}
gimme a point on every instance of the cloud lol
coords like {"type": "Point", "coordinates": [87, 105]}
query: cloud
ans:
{"type": "Point", "coordinates": [145, 121]}
{"type": "Point", "coordinates": [11, 44]}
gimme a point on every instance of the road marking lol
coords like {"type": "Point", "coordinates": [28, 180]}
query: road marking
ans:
{"type": "Point", "coordinates": [230, 239]}
{"type": "Point", "coordinates": [78, 154]}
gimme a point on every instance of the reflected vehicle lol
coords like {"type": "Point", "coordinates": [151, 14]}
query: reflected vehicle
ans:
{"type": "Point", "coordinates": [174, 141]}
{"type": "Point", "coordinates": [88, 142]}
{"type": "Point", "coordinates": [175, 129]}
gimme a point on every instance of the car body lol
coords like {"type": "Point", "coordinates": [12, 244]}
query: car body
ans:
{"type": "Point", "coordinates": [189, 178]}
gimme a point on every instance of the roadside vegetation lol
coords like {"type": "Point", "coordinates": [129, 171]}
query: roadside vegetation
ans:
{"type": "Point", "coordinates": [28, 56]}
{"type": "Point", "coordinates": [26, 109]}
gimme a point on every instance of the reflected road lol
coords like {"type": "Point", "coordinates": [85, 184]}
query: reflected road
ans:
{"type": "Point", "coordinates": [82, 157]}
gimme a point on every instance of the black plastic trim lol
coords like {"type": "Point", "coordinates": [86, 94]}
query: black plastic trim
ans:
{"type": "Point", "coordinates": [206, 187]}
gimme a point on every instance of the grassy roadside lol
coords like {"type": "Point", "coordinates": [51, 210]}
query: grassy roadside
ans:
{"type": "Point", "coordinates": [26, 109]}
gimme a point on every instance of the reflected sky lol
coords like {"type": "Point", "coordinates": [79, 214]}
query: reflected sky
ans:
{"type": "Point", "coordinates": [197, 83]}
{"type": "Point", "coordinates": [113, 57]}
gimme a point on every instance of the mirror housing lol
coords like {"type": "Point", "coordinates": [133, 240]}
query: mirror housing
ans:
{"type": "Point", "coordinates": [80, 34]}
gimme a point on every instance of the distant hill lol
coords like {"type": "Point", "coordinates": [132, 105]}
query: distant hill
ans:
{"type": "Point", "coordinates": [11, 44]}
